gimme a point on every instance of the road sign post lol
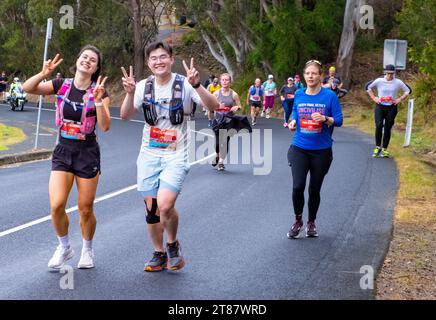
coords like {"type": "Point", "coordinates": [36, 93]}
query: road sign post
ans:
{"type": "Point", "coordinates": [48, 35]}
{"type": "Point", "coordinates": [409, 123]}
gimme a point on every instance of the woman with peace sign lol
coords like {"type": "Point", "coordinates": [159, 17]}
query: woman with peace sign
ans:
{"type": "Point", "coordinates": [80, 102]}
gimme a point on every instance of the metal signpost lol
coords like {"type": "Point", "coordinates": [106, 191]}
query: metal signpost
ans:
{"type": "Point", "coordinates": [47, 39]}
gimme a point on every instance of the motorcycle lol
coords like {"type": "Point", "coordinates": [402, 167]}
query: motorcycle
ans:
{"type": "Point", "coordinates": [17, 99]}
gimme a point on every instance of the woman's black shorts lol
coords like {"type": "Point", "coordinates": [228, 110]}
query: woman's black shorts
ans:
{"type": "Point", "coordinates": [81, 158]}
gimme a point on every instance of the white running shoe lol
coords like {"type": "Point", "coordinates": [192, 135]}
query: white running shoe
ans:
{"type": "Point", "coordinates": [262, 114]}
{"type": "Point", "coordinates": [60, 256]}
{"type": "Point", "coordinates": [86, 259]}
{"type": "Point", "coordinates": [267, 116]}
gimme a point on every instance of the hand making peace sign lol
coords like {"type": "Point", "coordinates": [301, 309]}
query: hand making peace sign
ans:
{"type": "Point", "coordinates": [129, 82]}
{"type": "Point", "coordinates": [99, 88]}
{"type": "Point", "coordinates": [192, 74]}
{"type": "Point", "coordinates": [50, 65]}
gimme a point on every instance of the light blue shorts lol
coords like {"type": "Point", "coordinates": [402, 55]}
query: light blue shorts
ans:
{"type": "Point", "coordinates": [155, 172]}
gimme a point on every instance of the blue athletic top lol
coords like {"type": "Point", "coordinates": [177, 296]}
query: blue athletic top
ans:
{"type": "Point", "coordinates": [310, 134]}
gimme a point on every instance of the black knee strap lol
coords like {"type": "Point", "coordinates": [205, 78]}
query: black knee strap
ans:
{"type": "Point", "coordinates": [151, 216]}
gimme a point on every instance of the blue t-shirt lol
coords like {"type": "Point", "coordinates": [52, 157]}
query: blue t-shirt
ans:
{"type": "Point", "coordinates": [310, 134]}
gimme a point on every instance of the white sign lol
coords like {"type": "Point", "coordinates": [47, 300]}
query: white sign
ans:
{"type": "Point", "coordinates": [395, 52]}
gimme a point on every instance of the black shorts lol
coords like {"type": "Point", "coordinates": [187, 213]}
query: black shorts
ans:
{"type": "Point", "coordinates": [2, 88]}
{"type": "Point", "coordinates": [81, 158]}
{"type": "Point", "coordinates": [256, 104]}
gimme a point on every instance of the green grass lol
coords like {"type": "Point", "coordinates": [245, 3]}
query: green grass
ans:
{"type": "Point", "coordinates": [9, 136]}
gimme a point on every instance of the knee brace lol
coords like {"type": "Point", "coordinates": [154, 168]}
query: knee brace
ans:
{"type": "Point", "coordinates": [151, 216]}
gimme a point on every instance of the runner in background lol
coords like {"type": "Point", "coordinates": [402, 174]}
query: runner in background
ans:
{"type": "Point", "coordinates": [287, 93]}
{"type": "Point", "coordinates": [269, 92]}
{"type": "Point", "coordinates": [229, 103]}
{"type": "Point", "coordinates": [254, 100]}
{"type": "Point", "coordinates": [212, 87]}
{"type": "Point", "coordinates": [386, 108]}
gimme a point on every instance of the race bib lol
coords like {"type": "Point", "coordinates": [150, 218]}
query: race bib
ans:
{"type": "Point", "coordinates": [387, 99]}
{"type": "Point", "coordinates": [72, 131]}
{"type": "Point", "coordinates": [270, 91]}
{"type": "Point", "coordinates": [163, 139]}
{"type": "Point", "coordinates": [255, 98]}
{"type": "Point", "coordinates": [310, 126]}
{"type": "Point", "coordinates": [290, 96]}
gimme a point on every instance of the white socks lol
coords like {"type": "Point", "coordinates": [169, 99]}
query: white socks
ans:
{"type": "Point", "coordinates": [87, 244]}
{"type": "Point", "coordinates": [64, 241]}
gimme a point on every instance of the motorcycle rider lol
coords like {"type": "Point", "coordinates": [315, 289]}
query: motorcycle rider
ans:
{"type": "Point", "coordinates": [15, 91]}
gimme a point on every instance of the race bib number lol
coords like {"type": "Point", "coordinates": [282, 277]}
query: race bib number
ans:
{"type": "Point", "coordinates": [387, 99]}
{"type": "Point", "coordinates": [255, 98]}
{"type": "Point", "coordinates": [72, 131]}
{"type": "Point", "coordinates": [163, 139]}
{"type": "Point", "coordinates": [290, 96]}
{"type": "Point", "coordinates": [310, 126]}
{"type": "Point", "coordinates": [270, 91]}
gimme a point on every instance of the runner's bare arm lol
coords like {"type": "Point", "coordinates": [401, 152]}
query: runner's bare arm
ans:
{"type": "Point", "coordinates": [193, 77]}
{"type": "Point", "coordinates": [129, 84]}
{"type": "Point", "coordinates": [34, 84]}
{"type": "Point", "coordinates": [103, 114]}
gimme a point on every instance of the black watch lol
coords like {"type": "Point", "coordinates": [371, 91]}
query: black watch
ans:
{"type": "Point", "coordinates": [326, 119]}
{"type": "Point", "coordinates": [197, 85]}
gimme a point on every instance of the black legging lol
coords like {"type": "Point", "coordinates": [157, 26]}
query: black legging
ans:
{"type": "Point", "coordinates": [317, 162]}
{"type": "Point", "coordinates": [384, 119]}
{"type": "Point", "coordinates": [221, 147]}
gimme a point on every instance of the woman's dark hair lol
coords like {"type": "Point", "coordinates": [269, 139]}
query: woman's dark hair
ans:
{"type": "Point", "coordinates": [96, 74]}
{"type": "Point", "coordinates": [156, 45]}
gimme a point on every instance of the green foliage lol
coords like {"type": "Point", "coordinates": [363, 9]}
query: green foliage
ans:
{"type": "Point", "coordinates": [417, 25]}
{"type": "Point", "coordinates": [105, 24]}
{"type": "Point", "coordinates": [190, 38]}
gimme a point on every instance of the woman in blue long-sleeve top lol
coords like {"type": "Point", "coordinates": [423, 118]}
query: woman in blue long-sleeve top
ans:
{"type": "Point", "coordinates": [315, 110]}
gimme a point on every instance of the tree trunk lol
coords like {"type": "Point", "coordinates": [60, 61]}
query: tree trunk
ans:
{"type": "Point", "coordinates": [348, 37]}
{"type": "Point", "coordinates": [219, 56]}
{"type": "Point", "coordinates": [137, 36]}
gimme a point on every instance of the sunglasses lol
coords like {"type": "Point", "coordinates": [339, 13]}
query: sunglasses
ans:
{"type": "Point", "coordinates": [313, 61]}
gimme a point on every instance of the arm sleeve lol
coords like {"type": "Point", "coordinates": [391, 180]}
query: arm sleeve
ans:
{"type": "Point", "coordinates": [373, 84]}
{"type": "Point", "coordinates": [337, 111]}
{"type": "Point", "coordinates": [404, 87]}
{"type": "Point", "coordinates": [57, 84]}
{"type": "Point", "coordinates": [295, 108]}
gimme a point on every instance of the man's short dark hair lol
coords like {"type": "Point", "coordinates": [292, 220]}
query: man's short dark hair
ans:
{"type": "Point", "coordinates": [156, 45]}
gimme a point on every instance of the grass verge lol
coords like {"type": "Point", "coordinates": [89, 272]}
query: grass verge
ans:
{"type": "Point", "coordinates": [9, 136]}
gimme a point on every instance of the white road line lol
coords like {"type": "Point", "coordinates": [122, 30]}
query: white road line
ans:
{"type": "Point", "coordinates": [75, 208]}
{"type": "Point", "coordinates": [69, 210]}
{"type": "Point", "coordinates": [102, 198]}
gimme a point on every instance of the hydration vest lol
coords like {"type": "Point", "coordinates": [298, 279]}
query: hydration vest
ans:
{"type": "Point", "coordinates": [176, 111]}
{"type": "Point", "coordinates": [89, 115]}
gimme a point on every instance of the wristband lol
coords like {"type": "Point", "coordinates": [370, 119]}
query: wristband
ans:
{"type": "Point", "coordinates": [99, 104]}
{"type": "Point", "coordinates": [197, 85]}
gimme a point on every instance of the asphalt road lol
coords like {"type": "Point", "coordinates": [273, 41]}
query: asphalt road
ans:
{"type": "Point", "coordinates": [232, 229]}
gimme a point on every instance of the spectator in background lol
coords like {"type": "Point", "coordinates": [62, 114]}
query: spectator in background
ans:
{"type": "Point", "coordinates": [3, 86]}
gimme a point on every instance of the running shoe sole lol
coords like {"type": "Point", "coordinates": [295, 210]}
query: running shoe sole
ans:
{"type": "Point", "coordinates": [178, 267]}
{"type": "Point", "coordinates": [293, 237]}
{"type": "Point", "coordinates": [154, 269]}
